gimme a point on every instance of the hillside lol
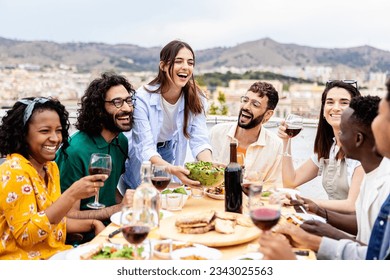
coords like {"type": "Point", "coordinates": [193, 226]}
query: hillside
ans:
{"type": "Point", "coordinates": [128, 57]}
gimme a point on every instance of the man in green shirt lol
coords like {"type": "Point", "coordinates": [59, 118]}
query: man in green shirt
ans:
{"type": "Point", "coordinates": [106, 111]}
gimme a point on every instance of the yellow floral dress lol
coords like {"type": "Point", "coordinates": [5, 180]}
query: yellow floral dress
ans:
{"type": "Point", "coordinates": [25, 230]}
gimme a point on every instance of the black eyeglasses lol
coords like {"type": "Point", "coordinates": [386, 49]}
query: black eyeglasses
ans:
{"type": "Point", "coordinates": [350, 82]}
{"type": "Point", "coordinates": [118, 102]}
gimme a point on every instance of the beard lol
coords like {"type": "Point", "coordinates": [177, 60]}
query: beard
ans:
{"type": "Point", "coordinates": [110, 123]}
{"type": "Point", "coordinates": [253, 122]}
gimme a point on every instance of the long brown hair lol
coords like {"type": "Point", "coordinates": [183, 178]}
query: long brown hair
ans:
{"type": "Point", "coordinates": [192, 101]}
{"type": "Point", "coordinates": [324, 137]}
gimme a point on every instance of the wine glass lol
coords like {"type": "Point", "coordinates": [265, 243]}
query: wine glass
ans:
{"type": "Point", "coordinates": [160, 177]}
{"type": "Point", "coordinates": [135, 228]}
{"type": "Point", "coordinates": [251, 177]}
{"type": "Point", "coordinates": [99, 164]}
{"type": "Point", "coordinates": [241, 159]}
{"type": "Point", "coordinates": [294, 124]}
{"type": "Point", "coordinates": [264, 215]}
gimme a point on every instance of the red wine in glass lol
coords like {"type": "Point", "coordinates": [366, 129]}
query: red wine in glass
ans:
{"type": "Point", "coordinates": [265, 218]}
{"type": "Point", "coordinates": [293, 131]}
{"type": "Point", "coordinates": [99, 170]}
{"type": "Point", "coordinates": [160, 182]}
{"type": "Point", "coordinates": [245, 187]}
{"type": "Point", "coordinates": [135, 234]}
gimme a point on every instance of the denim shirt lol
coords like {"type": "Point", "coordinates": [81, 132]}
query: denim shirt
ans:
{"type": "Point", "coordinates": [148, 120]}
{"type": "Point", "coordinates": [378, 247]}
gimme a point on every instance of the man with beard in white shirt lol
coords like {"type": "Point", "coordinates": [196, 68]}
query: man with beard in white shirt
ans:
{"type": "Point", "coordinates": [261, 148]}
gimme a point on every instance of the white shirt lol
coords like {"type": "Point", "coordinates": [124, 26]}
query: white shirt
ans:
{"type": "Point", "coordinates": [264, 155]}
{"type": "Point", "coordinates": [373, 192]}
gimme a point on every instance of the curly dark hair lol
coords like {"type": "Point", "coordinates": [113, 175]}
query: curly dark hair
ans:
{"type": "Point", "coordinates": [324, 137]}
{"type": "Point", "coordinates": [13, 133]}
{"type": "Point", "coordinates": [266, 89]}
{"type": "Point", "coordinates": [92, 113]}
{"type": "Point", "coordinates": [365, 110]}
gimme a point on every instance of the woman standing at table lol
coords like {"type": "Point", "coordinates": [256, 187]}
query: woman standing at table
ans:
{"type": "Point", "coordinates": [32, 209]}
{"type": "Point", "coordinates": [341, 177]}
{"type": "Point", "coordinates": [170, 112]}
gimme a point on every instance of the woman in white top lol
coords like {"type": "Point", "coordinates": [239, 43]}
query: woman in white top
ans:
{"type": "Point", "coordinates": [341, 177]}
{"type": "Point", "coordinates": [170, 112]}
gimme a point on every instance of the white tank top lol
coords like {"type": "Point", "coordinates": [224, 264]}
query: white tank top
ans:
{"type": "Point", "coordinates": [169, 126]}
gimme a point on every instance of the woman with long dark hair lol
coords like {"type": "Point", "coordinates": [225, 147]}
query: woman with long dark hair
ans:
{"type": "Point", "coordinates": [170, 113]}
{"type": "Point", "coordinates": [341, 177]}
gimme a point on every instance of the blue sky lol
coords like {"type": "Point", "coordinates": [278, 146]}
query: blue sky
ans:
{"type": "Point", "coordinates": [202, 23]}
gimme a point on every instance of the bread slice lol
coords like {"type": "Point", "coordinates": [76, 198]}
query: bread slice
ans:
{"type": "Point", "coordinates": [245, 221]}
{"type": "Point", "coordinates": [196, 230]}
{"type": "Point", "coordinates": [200, 219]}
{"type": "Point", "coordinates": [226, 215]}
{"type": "Point", "coordinates": [224, 226]}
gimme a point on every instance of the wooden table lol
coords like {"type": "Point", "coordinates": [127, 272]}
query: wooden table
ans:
{"type": "Point", "coordinates": [196, 205]}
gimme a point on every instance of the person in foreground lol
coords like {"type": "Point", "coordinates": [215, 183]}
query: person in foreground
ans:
{"type": "Point", "coordinates": [262, 148]}
{"type": "Point", "coordinates": [170, 113]}
{"type": "Point", "coordinates": [32, 209]}
{"type": "Point", "coordinates": [358, 143]}
{"type": "Point", "coordinates": [344, 249]}
{"type": "Point", "coordinates": [341, 177]}
{"type": "Point", "coordinates": [106, 111]}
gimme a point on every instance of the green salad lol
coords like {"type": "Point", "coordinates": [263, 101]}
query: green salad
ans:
{"type": "Point", "coordinates": [207, 173]}
{"type": "Point", "coordinates": [108, 252]}
{"type": "Point", "coordinates": [177, 190]}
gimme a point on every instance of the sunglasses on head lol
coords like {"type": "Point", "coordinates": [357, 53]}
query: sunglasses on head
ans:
{"type": "Point", "coordinates": [350, 82]}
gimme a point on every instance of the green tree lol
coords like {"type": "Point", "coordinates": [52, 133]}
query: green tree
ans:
{"type": "Point", "coordinates": [222, 109]}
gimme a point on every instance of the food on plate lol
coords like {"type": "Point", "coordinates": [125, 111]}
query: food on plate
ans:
{"type": "Point", "coordinates": [222, 222]}
{"type": "Point", "coordinates": [181, 190]}
{"type": "Point", "coordinates": [224, 226]}
{"type": "Point", "coordinates": [295, 219]}
{"type": "Point", "coordinates": [193, 258]}
{"type": "Point", "coordinates": [167, 247]}
{"type": "Point", "coordinates": [195, 220]}
{"type": "Point", "coordinates": [266, 194]}
{"type": "Point", "coordinates": [225, 215]}
{"type": "Point", "coordinates": [244, 221]}
{"type": "Point", "coordinates": [218, 190]}
{"type": "Point", "coordinates": [197, 230]}
{"type": "Point", "coordinates": [207, 173]}
{"type": "Point", "coordinates": [110, 253]}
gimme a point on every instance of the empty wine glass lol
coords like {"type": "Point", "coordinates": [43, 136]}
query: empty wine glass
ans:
{"type": "Point", "coordinates": [160, 176]}
{"type": "Point", "coordinates": [251, 177]}
{"type": "Point", "coordinates": [294, 124]}
{"type": "Point", "coordinates": [135, 229]}
{"type": "Point", "coordinates": [264, 215]}
{"type": "Point", "coordinates": [99, 164]}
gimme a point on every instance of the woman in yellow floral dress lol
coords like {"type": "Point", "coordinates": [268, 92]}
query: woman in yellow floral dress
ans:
{"type": "Point", "coordinates": [32, 210]}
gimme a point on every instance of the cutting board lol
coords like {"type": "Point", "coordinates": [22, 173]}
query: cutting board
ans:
{"type": "Point", "coordinates": [212, 238]}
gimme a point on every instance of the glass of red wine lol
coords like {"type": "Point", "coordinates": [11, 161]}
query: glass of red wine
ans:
{"type": "Point", "coordinates": [265, 215]}
{"type": "Point", "coordinates": [160, 177]}
{"type": "Point", "coordinates": [99, 164]}
{"type": "Point", "coordinates": [135, 227]}
{"type": "Point", "coordinates": [294, 124]}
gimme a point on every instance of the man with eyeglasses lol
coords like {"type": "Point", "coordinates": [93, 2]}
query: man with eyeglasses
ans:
{"type": "Point", "coordinates": [261, 148]}
{"type": "Point", "coordinates": [106, 111]}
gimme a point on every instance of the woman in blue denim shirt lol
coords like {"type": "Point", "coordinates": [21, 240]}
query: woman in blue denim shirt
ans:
{"type": "Point", "coordinates": [170, 113]}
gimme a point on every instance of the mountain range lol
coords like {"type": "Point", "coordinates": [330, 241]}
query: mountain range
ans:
{"type": "Point", "coordinates": [129, 57]}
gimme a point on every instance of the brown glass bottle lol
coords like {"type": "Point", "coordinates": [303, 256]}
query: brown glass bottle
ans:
{"type": "Point", "coordinates": [233, 193]}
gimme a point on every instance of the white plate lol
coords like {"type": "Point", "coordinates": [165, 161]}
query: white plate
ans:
{"type": "Point", "coordinates": [308, 217]}
{"type": "Point", "coordinates": [167, 255]}
{"type": "Point", "coordinates": [116, 217]}
{"type": "Point", "coordinates": [291, 192]}
{"type": "Point", "coordinates": [250, 256]}
{"type": "Point", "coordinates": [77, 252]}
{"type": "Point", "coordinates": [204, 252]}
{"type": "Point", "coordinates": [215, 196]}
